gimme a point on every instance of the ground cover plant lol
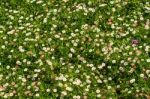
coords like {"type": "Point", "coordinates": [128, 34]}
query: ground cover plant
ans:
{"type": "Point", "coordinates": [75, 49]}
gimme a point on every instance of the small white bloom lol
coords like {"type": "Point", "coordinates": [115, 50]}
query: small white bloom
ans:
{"type": "Point", "coordinates": [24, 80]}
{"type": "Point", "coordinates": [99, 81]}
{"type": "Point", "coordinates": [8, 67]}
{"type": "Point", "coordinates": [109, 87]}
{"type": "Point", "coordinates": [75, 44]}
{"type": "Point", "coordinates": [118, 86]}
{"type": "Point", "coordinates": [113, 61]}
{"type": "Point", "coordinates": [69, 88]}
{"type": "Point", "coordinates": [77, 97]}
{"type": "Point", "coordinates": [148, 60]}
{"type": "Point", "coordinates": [72, 50]}
{"type": "Point", "coordinates": [5, 96]}
{"type": "Point", "coordinates": [64, 79]}
{"type": "Point", "coordinates": [37, 95]}
{"type": "Point", "coordinates": [129, 92]}
{"type": "Point", "coordinates": [147, 71]}
{"type": "Point", "coordinates": [125, 63]}
{"type": "Point", "coordinates": [11, 32]}
{"type": "Point", "coordinates": [142, 75]}
{"type": "Point", "coordinates": [90, 50]}
{"type": "Point", "coordinates": [60, 84]}
{"type": "Point", "coordinates": [3, 46]}
{"type": "Point", "coordinates": [49, 62]}
{"type": "Point", "coordinates": [35, 75]}
{"type": "Point", "coordinates": [25, 69]}
{"type": "Point", "coordinates": [70, 55]}
{"type": "Point", "coordinates": [18, 62]}
{"type": "Point", "coordinates": [97, 91]}
{"type": "Point", "coordinates": [147, 48]}
{"type": "Point", "coordinates": [64, 93]}
{"type": "Point", "coordinates": [146, 27]}
{"type": "Point", "coordinates": [109, 78]}
{"type": "Point", "coordinates": [47, 90]}
{"type": "Point", "coordinates": [109, 67]}
{"type": "Point", "coordinates": [45, 20]}
{"type": "Point", "coordinates": [113, 9]}
{"type": "Point", "coordinates": [99, 95]}
{"type": "Point", "coordinates": [65, 0]}
{"type": "Point", "coordinates": [112, 26]}
{"type": "Point", "coordinates": [102, 5]}
{"type": "Point", "coordinates": [103, 64]}
{"type": "Point", "coordinates": [57, 36]}
{"type": "Point", "coordinates": [54, 90]}
{"type": "Point", "coordinates": [93, 68]}
{"type": "Point", "coordinates": [132, 81]}
{"type": "Point", "coordinates": [21, 49]}
{"type": "Point", "coordinates": [39, 2]}
{"type": "Point", "coordinates": [11, 94]}
{"type": "Point", "coordinates": [77, 82]}
{"type": "Point", "coordinates": [28, 62]}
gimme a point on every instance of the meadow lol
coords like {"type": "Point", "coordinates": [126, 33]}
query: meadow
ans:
{"type": "Point", "coordinates": [75, 49]}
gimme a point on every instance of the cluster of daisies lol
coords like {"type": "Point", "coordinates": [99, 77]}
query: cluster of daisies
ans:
{"type": "Point", "coordinates": [75, 49]}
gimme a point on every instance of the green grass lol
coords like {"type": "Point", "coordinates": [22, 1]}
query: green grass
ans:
{"type": "Point", "coordinates": [75, 49]}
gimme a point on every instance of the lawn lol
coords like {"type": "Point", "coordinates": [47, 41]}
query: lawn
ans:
{"type": "Point", "coordinates": [75, 49]}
